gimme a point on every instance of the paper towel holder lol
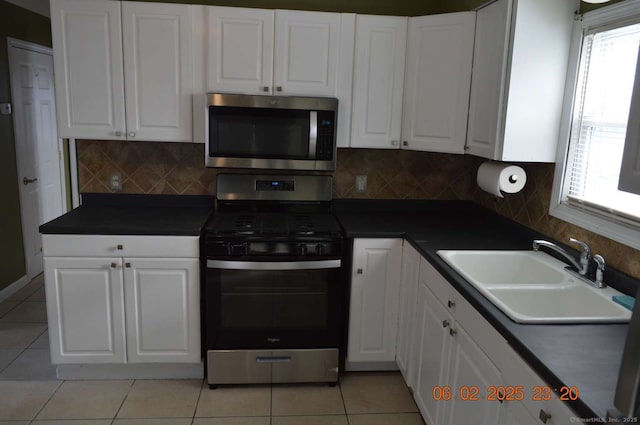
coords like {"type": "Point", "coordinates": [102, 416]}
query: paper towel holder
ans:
{"type": "Point", "coordinates": [513, 178]}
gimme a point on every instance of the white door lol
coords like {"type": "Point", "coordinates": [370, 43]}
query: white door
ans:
{"type": "Point", "coordinates": [306, 53]}
{"type": "Point", "coordinates": [158, 72]}
{"type": "Point", "coordinates": [471, 368]}
{"type": "Point", "coordinates": [406, 314]}
{"type": "Point", "coordinates": [37, 146]}
{"type": "Point", "coordinates": [378, 80]}
{"type": "Point", "coordinates": [436, 101]}
{"type": "Point", "coordinates": [433, 351]}
{"type": "Point", "coordinates": [162, 300]}
{"type": "Point", "coordinates": [87, 39]}
{"type": "Point", "coordinates": [240, 50]}
{"type": "Point", "coordinates": [85, 310]}
{"type": "Point", "coordinates": [373, 315]}
{"type": "Point", "coordinates": [488, 81]}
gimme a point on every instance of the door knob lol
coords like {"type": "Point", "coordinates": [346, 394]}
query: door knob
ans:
{"type": "Point", "coordinates": [26, 181]}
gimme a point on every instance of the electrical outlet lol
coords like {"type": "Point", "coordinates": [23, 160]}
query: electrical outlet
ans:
{"type": "Point", "coordinates": [361, 184]}
{"type": "Point", "coordinates": [115, 181]}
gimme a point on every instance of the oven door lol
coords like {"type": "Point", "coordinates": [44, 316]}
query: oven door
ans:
{"type": "Point", "coordinates": [273, 305]}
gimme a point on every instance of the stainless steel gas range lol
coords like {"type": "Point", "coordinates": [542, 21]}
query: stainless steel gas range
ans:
{"type": "Point", "coordinates": [274, 287]}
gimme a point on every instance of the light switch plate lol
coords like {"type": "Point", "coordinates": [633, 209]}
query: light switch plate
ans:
{"type": "Point", "coordinates": [5, 109]}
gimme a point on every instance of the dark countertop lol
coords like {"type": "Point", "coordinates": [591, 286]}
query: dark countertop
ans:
{"type": "Point", "coordinates": [124, 214]}
{"type": "Point", "coordinates": [585, 356]}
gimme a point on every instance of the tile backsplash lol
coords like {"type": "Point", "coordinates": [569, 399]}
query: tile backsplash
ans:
{"type": "Point", "coordinates": [178, 168]}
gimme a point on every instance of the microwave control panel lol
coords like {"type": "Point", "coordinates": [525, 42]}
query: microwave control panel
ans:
{"type": "Point", "coordinates": [326, 134]}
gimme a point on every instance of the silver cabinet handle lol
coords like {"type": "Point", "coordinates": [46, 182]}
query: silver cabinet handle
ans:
{"type": "Point", "coordinates": [278, 88]}
{"type": "Point", "coordinates": [405, 143]}
{"type": "Point", "coordinates": [445, 323]}
{"type": "Point", "coordinates": [452, 332]}
{"type": "Point", "coordinates": [451, 304]}
{"type": "Point", "coordinates": [119, 247]}
{"type": "Point", "coordinates": [544, 416]}
{"type": "Point", "coordinates": [26, 181]}
{"type": "Point", "coordinates": [359, 271]}
{"type": "Point", "coordinates": [132, 134]}
{"type": "Point", "coordinates": [264, 88]}
{"type": "Point", "coordinates": [114, 265]}
{"type": "Point", "coordinates": [395, 143]}
{"type": "Point", "coordinates": [276, 265]}
{"type": "Point", "coordinates": [127, 265]}
{"type": "Point", "coordinates": [118, 133]}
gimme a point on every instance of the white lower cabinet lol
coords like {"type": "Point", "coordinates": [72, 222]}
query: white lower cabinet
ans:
{"type": "Point", "coordinates": [122, 309]}
{"type": "Point", "coordinates": [408, 290]}
{"type": "Point", "coordinates": [373, 312]}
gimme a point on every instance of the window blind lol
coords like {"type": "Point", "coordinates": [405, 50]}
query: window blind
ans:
{"type": "Point", "coordinates": [601, 111]}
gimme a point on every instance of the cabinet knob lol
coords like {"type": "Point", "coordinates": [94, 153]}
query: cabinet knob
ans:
{"type": "Point", "coordinates": [544, 416]}
{"type": "Point", "coordinates": [119, 247]}
{"type": "Point", "coordinates": [127, 265]}
{"type": "Point", "coordinates": [451, 304]}
{"type": "Point", "coordinates": [395, 143]}
{"type": "Point", "coordinates": [118, 133]}
{"type": "Point", "coordinates": [445, 323]}
{"type": "Point", "coordinates": [26, 181]}
{"type": "Point", "coordinates": [264, 88]}
{"type": "Point", "coordinates": [405, 143]}
{"type": "Point", "coordinates": [114, 265]}
{"type": "Point", "coordinates": [359, 271]}
{"type": "Point", "coordinates": [278, 88]}
{"type": "Point", "coordinates": [132, 134]}
{"type": "Point", "coordinates": [452, 332]}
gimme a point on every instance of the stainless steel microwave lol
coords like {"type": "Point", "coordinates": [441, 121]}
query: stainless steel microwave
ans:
{"type": "Point", "coordinates": [271, 132]}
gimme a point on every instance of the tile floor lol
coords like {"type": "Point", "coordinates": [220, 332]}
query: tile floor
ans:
{"type": "Point", "coordinates": [30, 393]}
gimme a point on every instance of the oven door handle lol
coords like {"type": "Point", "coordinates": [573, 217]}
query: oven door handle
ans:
{"type": "Point", "coordinates": [273, 265]}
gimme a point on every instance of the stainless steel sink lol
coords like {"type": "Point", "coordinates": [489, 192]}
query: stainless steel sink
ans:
{"type": "Point", "coordinates": [534, 287]}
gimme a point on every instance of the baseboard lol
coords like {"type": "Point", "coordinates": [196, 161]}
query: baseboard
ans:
{"type": "Point", "coordinates": [13, 288]}
{"type": "Point", "coordinates": [131, 371]}
{"type": "Point", "coordinates": [370, 366]}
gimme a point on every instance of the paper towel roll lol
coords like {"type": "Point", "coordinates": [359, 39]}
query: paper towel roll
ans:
{"type": "Point", "coordinates": [497, 177]}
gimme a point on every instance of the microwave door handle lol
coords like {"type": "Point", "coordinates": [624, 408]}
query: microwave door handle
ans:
{"type": "Point", "coordinates": [275, 265]}
{"type": "Point", "coordinates": [313, 133]}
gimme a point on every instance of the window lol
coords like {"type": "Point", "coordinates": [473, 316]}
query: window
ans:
{"type": "Point", "coordinates": [586, 186]}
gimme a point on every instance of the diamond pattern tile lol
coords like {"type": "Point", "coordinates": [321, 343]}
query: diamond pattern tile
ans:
{"type": "Point", "coordinates": [177, 168]}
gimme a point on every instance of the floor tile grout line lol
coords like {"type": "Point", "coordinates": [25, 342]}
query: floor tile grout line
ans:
{"type": "Point", "coordinates": [60, 383]}
{"type": "Point", "coordinates": [195, 410]}
{"type": "Point", "coordinates": [115, 416]}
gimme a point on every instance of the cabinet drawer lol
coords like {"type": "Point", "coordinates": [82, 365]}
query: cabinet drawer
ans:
{"type": "Point", "coordinates": [442, 289]}
{"type": "Point", "coordinates": [516, 372]}
{"type": "Point", "coordinates": [120, 246]}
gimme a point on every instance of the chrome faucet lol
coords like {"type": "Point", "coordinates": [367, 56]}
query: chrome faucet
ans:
{"type": "Point", "coordinates": [582, 266]}
{"type": "Point", "coordinates": [600, 266]}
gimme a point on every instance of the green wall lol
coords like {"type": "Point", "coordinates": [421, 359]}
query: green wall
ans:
{"type": "Point", "coordinates": [24, 25]}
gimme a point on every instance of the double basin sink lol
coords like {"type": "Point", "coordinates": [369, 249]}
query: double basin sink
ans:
{"type": "Point", "coordinates": [534, 287]}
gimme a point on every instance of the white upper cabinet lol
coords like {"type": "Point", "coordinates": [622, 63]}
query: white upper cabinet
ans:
{"type": "Point", "coordinates": [437, 84]}
{"type": "Point", "coordinates": [87, 44]}
{"type": "Point", "coordinates": [378, 79]}
{"type": "Point", "coordinates": [240, 50]}
{"type": "Point", "coordinates": [306, 52]}
{"type": "Point", "coordinates": [111, 57]}
{"type": "Point", "coordinates": [519, 71]}
{"type": "Point", "coordinates": [259, 51]}
{"type": "Point", "coordinates": [157, 65]}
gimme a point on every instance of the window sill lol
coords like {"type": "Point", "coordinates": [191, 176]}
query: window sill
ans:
{"type": "Point", "coordinates": [600, 224]}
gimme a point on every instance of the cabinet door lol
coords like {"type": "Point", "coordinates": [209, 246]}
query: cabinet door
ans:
{"type": "Point", "coordinates": [85, 309]}
{"type": "Point", "coordinates": [378, 80]}
{"type": "Point", "coordinates": [488, 80]}
{"type": "Point", "coordinates": [158, 71]}
{"type": "Point", "coordinates": [437, 84]}
{"type": "Point", "coordinates": [306, 53]}
{"type": "Point", "coordinates": [514, 413]}
{"type": "Point", "coordinates": [163, 310]}
{"type": "Point", "coordinates": [373, 316]}
{"type": "Point", "coordinates": [406, 315]}
{"type": "Point", "coordinates": [88, 69]}
{"type": "Point", "coordinates": [240, 50]}
{"type": "Point", "coordinates": [433, 351]}
{"type": "Point", "coordinates": [470, 367]}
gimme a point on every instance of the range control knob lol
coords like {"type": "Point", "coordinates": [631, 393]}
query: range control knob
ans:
{"type": "Point", "coordinates": [302, 249]}
{"type": "Point", "coordinates": [320, 250]}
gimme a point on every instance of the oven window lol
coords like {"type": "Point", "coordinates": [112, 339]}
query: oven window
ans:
{"type": "Point", "coordinates": [258, 133]}
{"type": "Point", "coordinates": [261, 300]}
